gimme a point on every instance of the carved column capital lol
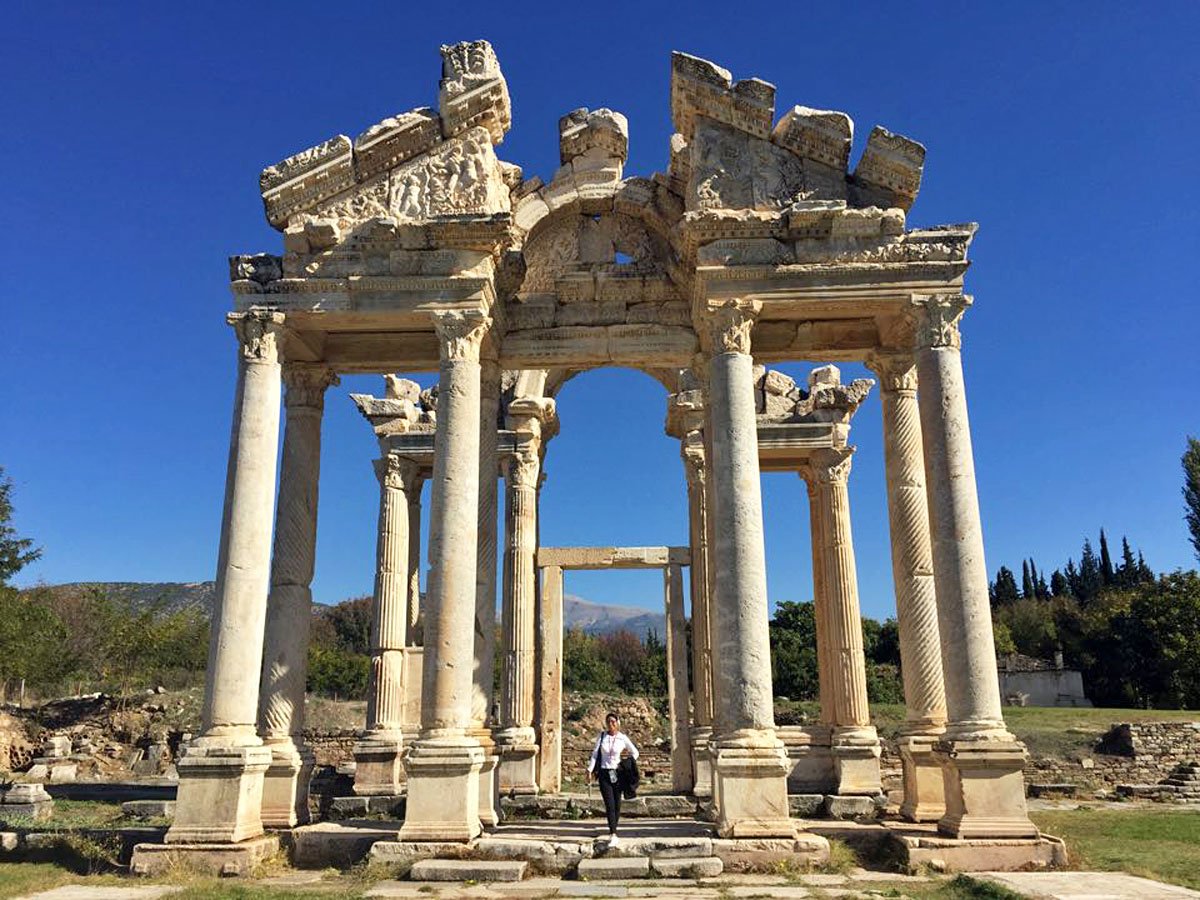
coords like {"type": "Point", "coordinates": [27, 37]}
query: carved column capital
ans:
{"type": "Point", "coordinates": [398, 472]}
{"type": "Point", "coordinates": [730, 325]}
{"type": "Point", "coordinates": [522, 469]}
{"type": "Point", "coordinates": [897, 370]}
{"type": "Point", "coordinates": [460, 334]}
{"type": "Point", "coordinates": [306, 384]}
{"type": "Point", "coordinates": [692, 451]}
{"type": "Point", "coordinates": [260, 333]}
{"type": "Point", "coordinates": [827, 466]}
{"type": "Point", "coordinates": [936, 318]}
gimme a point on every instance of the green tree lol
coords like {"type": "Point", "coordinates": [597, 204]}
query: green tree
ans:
{"type": "Point", "coordinates": [351, 623]}
{"type": "Point", "coordinates": [584, 667]}
{"type": "Point", "coordinates": [1191, 492]}
{"type": "Point", "coordinates": [1002, 639]}
{"type": "Point", "coordinates": [1027, 590]}
{"type": "Point", "coordinates": [1004, 588]}
{"type": "Point", "coordinates": [15, 552]}
{"type": "Point", "coordinates": [1058, 585]}
{"type": "Point", "coordinates": [1107, 574]}
{"type": "Point", "coordinates": [1090, 579]}
{"type": "Point", "coordinates": [1127, 572]}
{"type": "Point", "coordinates": [794, 651]}
{"type": "Point", "coordinates": [1031, 626]}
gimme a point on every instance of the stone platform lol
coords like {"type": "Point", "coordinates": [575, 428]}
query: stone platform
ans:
{"type": "Point", "coordinates": [156, 860]}
{"type": "Point", "coordinates": [919, 846]}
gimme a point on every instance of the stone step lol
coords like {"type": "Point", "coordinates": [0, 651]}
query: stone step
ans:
{"type": "Point", "coordinates": [468, 870]}
{"type": "Point", "coordinates": [610, 867]}
{"type": "Point", "coordinates": [687, 866]}
{"type": "Point", "coordinates": [657, 847]}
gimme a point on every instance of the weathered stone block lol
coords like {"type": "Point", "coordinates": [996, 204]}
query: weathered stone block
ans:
{"type": "Point", "coordinates": [615, 867]}
{"type": "Point", "coordinates": [240, 859]}
{"type": "Point", "coordinates": [468, 870]}
{"type": "Point", "coordinates": [687, 867]}
{"type": "Point", "coordinates": [148, 809]}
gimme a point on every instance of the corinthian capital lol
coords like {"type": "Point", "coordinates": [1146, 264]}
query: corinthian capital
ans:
{"type": "Point", "coordinates": [693, 460]}
{"type": "Point", "coordinates": [460, 334]}
{"type": "Point", "coordinates": [260, 333]}
{"type": "Point", "coordinates": [397, 472]}
{"type": "Point", "coordinates": [936, 319]}
{"type": "Point", "coordinates": [827, 466]}
{"type": "Point", "coordinates": [731, 323]}
{"type": "Point", "coordinates": [306, 384]}
{"type": "Point", "coordinates": [522, 469]}
{"type": "Point", "coordinates": [897, 370]}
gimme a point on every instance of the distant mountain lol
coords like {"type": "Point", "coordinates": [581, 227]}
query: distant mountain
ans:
{"type": "Point", "coordinates": [601, 618]}
{"type": "Point", "coordinates": [172, 596]}
{"type": "Point", "coordinates": [593, 618]}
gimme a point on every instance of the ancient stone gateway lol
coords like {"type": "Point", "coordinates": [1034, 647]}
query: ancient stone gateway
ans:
{"type": "Point", "coordinates": [412, 248]}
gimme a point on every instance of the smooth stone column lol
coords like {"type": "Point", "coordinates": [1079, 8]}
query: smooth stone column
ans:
{"type": "Point", "coordinates": [750, 765]}
{"type": "Point", "coordinates": [549, 684]}
{"type": "Point", "coordinates": [916, 597]}
{"type": "Point", "coordinates": [221, 773]}
{"type": "Point", "coordinates": [485, 594]}
{"type": "Point", "coordinates": [677, 679]}
{"type": "Point", "coordinates": [854, 742]}
{"type": "Point", "coordinates": [516, 737]}
{"type": "Point", "coordinates": [378, 754]}
{"type": "Point", "coordinates": [982, 761]}
{"type": "Point", "coordinates": [814, 768]}
{"type": "Point", "coordinates": [702, 695]}
{"type": "Point", "coordinates": [443, 766]}
{"type": "Point", "coordinates": [289, 605]}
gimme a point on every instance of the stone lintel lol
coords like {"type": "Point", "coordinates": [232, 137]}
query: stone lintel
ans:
{"type": "Point", "coordinates": [613, 557]}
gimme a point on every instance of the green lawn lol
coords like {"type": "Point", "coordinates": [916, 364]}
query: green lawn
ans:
{"type": "Point", "coordinates": [1160, 843]}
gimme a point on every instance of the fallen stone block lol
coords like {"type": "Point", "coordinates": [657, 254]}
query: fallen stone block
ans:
{"type": "Point", "coordinates": [9, 841]}
{"type": "Point", "coordinates": [468, 870]}
{"type": "Point", "coordinates": [615, 867]}
{"type": "Point", "coordinates": [148, 809]}
{"type": "Point", "coordinates": [805, 806]}
{"type": "Point", "coordinates": [687, 866]}
{"type": "Point", "coordinates": [336, 844]}
{"type": "Point", "coordinates": [847, 807]}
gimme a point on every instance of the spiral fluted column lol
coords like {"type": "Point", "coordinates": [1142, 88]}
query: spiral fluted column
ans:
{"type": "Point", "coordinates": [289, 605]}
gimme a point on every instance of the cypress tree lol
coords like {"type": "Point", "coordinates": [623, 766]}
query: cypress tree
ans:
{"type": "Point", "coordinates": [1006, 587]}
{"type": "Point", "coordinates": [1191, 491]}
{"type": "Point", "coordinates": [1145, 575]}
{"type": "Point", "coordinates": [1058, 585]}
{"type": "Point", "coordinates": [1090, 579]}
{"type": "Point", "coordinates": [1026, 580]}
{"type": "Point", "coordinates": [1107, 576]}
{"type": "Point", "coordinates": [1127, 573]}
{"type": "Point", "coordinates": [1042, 591]}
{"type": "Point", "coordinates": [1073, 582]}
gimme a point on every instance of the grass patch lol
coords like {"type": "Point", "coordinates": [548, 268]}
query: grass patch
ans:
{"type": "Point", "coordinates": [1163, 844]}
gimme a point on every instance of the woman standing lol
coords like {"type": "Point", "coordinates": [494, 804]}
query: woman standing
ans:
{"type": "Point", "coordinates": [606, 757]}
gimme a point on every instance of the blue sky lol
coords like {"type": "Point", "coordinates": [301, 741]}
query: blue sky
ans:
{"type": "Point", "coordinates": [134, 138]}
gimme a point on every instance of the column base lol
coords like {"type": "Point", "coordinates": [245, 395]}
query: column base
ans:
{"type": "Point", "coordinates": [984, 790]}
{"type": "Point", "coordinates": [856, 751]}
{"type": "Point", "coordinates": [702, 761]}
{"type": "Point", "coordinates": [518, 772]}
{"type": "Point", "coordinates": [443, 790]}
{"type": "Point", "coordinates": [220, 795]}
{"type": "Point", "coordinates": [811, 768]}
{"type": "Point", "coordinates": [489, 779]}
{"type": "Point", "coordinates": [750, 786]}
{"type": "Point", "coordinates": [379, 764]}
{"type": "Point", "coordinates": [157, 860]}
{"type": "Point", "coordinates": [285, 785]}
{"type": "Point", "coordinates": [924, 782]}
{"type": "Point", "coordinates": [919, 847]}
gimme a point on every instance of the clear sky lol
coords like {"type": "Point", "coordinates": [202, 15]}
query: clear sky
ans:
{"type": "Point", "coordinates": [134, 135]}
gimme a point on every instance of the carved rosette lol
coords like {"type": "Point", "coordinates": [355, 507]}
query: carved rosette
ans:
{"type": "Point", "coordinates": [731, 324]}
{"type": "Point", "coordinates": [259, 332]}
{"type": "Point", "coordinates": [397, 472]}
{"type": "Point", "coordinates": [897, 371]}
{"type": "Point", "coordinates": [936, 320]}
{"type": "Point", "coordinates": [828, 466]}
{"type": "Point", "coordinates": [306, 384]}
{"type": "Point", "coordinates": [460, 335]}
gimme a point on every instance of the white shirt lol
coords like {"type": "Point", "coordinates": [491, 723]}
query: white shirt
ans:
{"type": "Point", "coordinates": [609, 748]}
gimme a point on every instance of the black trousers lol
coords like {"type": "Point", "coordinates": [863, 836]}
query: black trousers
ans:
{"type": "Point", "coordinates": [610, 791]}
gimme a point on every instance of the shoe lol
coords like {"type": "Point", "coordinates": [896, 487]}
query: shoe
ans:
{"type": "Point", "coordinates": [614, 841]}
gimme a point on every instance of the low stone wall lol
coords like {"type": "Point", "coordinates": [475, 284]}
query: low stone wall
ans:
{"type": "Point", "coordinates": [1130, 753]}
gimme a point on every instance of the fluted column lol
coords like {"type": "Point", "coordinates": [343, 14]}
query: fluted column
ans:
{"type": "Point", "coordinates": [750, 766]}
{"type": "Point", "coordinates": [414, 556]}
{"type": "Point", "coordinates": [485, 593]}
{"type": "Point", "coordinates": [692, 449]}
{"type": "Point", "coordinates": [378, 753]}
{"type": "Point", "coordinates": [982, 761]}
{"type": "Point", "coordinates": [677, 679]}
{"type": "Point", "coordinates": [221, 773]}
{"type": "Point", "coordinates": [516, 737]}
{"type": "Point", "coordinates": [916, 597]}
{"type": "Point", "coordinates": [443, 766]}
{"type": "Point", "coordinates": [289, 605]}
{"type": "Point", "coordinates": [854, 742]}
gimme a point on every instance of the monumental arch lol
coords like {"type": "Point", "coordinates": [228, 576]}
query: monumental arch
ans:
{"type": "Point", "coordinates": [414, 247]}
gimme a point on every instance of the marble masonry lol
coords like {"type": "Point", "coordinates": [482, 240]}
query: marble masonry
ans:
{"type": "Point", "coordinates": [415, 248]}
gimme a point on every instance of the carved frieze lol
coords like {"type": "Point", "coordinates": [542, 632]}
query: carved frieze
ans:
{"type": "Point", "coordinates": [703, 90]}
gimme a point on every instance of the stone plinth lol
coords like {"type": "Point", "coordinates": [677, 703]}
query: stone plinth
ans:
{"type": "Point", "coordinates": [443, 792]}
{"type": "Point", "coordinates": [985, 789]}
{"type": "Point", "coordinates": [26, 801]}
{"type": "Point", "coordinates": [220, 793]}
{"type": "Point", "coordinates": [378, 759]}
{"type": "Point", "coordinates": [157, 860]}
{"type": "Point", "coordinates": [285, 785]}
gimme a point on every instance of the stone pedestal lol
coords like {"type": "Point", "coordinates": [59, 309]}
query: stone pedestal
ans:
{"type": "Point", "coordinates": [855, 753]}
{"type": "Point", "coordinates": [27, 801]}
{"type": "Point", "coordinates": [443, 767]}
{"type": "Point", "coordinates": [220, 794]}
{"type": "Point", "coordinates": [285, 785]}
{"type": "Point", "coordinates": [984, 790]}
{"type": "Point", "coordinates": [379, 764]}
{"type": "Point", "coordinates": [982, 761]}
{"type": "Point", "coordinates": [810, 761]}
{"type": "Point", "coordinates": [489, 779]}
{"type": "Point", "coordinates": [750, 767]}
{"type": "Point", "coordinates": [702, 761]}
{"type": "Point", "coordinates": [924, 791]}
{"type": "Point", "coordinates": [518, 770]}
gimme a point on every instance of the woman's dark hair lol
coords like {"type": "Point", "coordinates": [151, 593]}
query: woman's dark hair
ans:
{"type": "Point", "coordinates": [611, 715]}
